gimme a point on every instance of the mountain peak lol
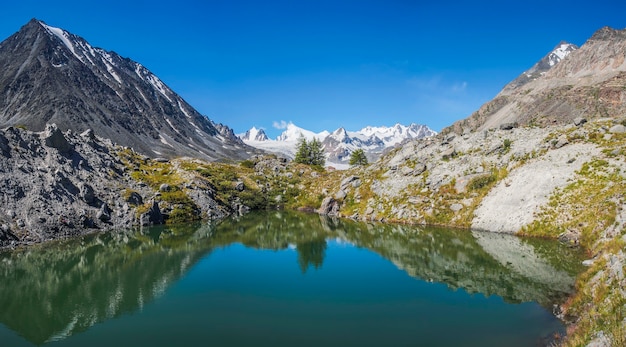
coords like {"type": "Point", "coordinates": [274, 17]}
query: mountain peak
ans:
{"type": "Point", "coordinates": [558, 53]}
{"type": "Point", "coordinates": [607, 33]}
{"type": "Point", "coordinates": [50, 75]}
{"type": "Point", "coordinates": [293, 132]}
{"type": "Point", "coordinates": [587, 83]}
{"type": "Point", "coordinates": [562, 50]}
{"type": "Point", "coordinates": [254, 134]}
{"type": "Point", "coordinates": [341, 132]}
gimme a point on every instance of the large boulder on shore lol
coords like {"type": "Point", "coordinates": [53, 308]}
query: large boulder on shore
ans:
{"type": "Point", "coordinates": [153, 216]}
{"type": "Point", "coordinates": [329, 207]}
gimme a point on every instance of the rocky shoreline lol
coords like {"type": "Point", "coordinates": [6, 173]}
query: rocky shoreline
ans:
{"type": "Point", "coordinates": [56, 185]}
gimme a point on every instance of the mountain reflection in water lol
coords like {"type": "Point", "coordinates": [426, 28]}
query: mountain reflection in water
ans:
{"type": "Point", "coordinates": [52, 291]}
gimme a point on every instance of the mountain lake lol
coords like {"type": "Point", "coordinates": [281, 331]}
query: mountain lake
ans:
{"type": "Point", "coordinates": [284, 278]}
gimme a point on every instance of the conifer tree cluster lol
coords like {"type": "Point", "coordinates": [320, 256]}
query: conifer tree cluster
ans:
{"type": "Point", "coordinates": [309, 152]}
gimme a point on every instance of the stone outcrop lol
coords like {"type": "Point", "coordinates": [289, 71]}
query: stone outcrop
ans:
{"type": "Point", "coordinates": [329, 207]}
{"type": "Point", "coordinates": [56, 184]}
{"type": "Point", "coordinates": [153, 216]}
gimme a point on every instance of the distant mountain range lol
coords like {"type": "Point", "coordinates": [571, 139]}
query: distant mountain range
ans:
{"type": "Point", "coordinates": [339, 144]}
{"type": "Point", "coordinates": [49, 75]}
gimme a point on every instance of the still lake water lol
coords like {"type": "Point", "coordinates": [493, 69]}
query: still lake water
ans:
{"type": "Point", "coordinates": [285, 279]}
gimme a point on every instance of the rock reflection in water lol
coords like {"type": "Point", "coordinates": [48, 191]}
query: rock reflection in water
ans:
{"type": "Point", "coordinates": [52, 291]}
{"type": "Point", "coordinates": [516, 269]}
{"type": "Point", "coordinates": [55, 290]}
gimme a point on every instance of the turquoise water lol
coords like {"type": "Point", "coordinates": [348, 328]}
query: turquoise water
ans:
{"type": "Point", "coordinates": [285, 279]}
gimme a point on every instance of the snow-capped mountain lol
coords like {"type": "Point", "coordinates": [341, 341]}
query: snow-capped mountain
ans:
{"type": "Point", "coordinates": [293, 133]}
{"type": "Point", "coordinates": [562, 50]}
{"type": "Point", "coordinates": [49, 75]}
{"type": "Point", "coordinates": [254, 134]}
{"type": "Point", "coordinates": [373, 140]}
{"type": "Point", "coordinates": [339, 144]}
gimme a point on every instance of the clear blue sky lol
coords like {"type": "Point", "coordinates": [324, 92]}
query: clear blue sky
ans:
{"type": "Point", "coordinates": [325, 64]}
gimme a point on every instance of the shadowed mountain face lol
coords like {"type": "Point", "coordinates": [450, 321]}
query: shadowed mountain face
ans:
{"type": "Point", "coordinates": [49, 75]}
{"type": "Point", "coordinates": [53, 291]}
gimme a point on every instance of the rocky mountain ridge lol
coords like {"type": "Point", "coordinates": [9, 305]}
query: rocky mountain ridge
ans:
{"type": "Point", "coordinates": [254, 134]}
{"type": "Point", "coordinates": [587, 83]}
{"type": "Point", "coordinates": [52, 76]}
{"type": "Point", "coordinates": [562, 50]}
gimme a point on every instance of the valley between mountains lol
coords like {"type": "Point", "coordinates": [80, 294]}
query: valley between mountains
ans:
{"type": "Point", "coordinates": [92, 141]}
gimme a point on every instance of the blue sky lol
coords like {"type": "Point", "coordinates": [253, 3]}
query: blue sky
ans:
{"type": "Point", "coordinates": [325, 64]}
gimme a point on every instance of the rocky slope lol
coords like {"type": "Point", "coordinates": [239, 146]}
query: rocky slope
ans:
{"type": "Point", "coordinates": [564, 182]}
{"type": "Point", "coordinates": [544, 158]}
{"type": "Point", "coordinates": [57, 184]}
{"type": "Point", "coordinates": [588, 82]}
{"type": "Point", "coordinates": [52, 76]}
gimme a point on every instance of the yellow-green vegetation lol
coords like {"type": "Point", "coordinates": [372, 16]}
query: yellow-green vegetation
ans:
{"type": "Point", "coordinates": [585, 207]}
{"type": "Point", "coordinates": [263, 183]}
{"type": "Point", "coordinates": [476, 189]}
{"type": "Point", "coordinates": [155, 174]}
{"type": "Point", "coordinates": [310, 183]}
{"type": "Point", "coordinates": [598, 303]}
{"type": "Point", "coordinates": [585, 212]}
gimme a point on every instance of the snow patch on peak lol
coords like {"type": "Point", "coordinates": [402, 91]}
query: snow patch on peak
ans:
{"type": "Point", "coordinates": [560, 52]}
{"type": "Point", "coordinates": [63, 36]}
{"type": "Point", "coordinates": [254, 134]}
{"type": "Point", "coordinates": [293, 133]}
{"type": "Point", "coordinates": [108, 61]}
{"type": "Point", "coordinates": [340, 133]}
{"type": "Point", "coordinates": [158, 85]}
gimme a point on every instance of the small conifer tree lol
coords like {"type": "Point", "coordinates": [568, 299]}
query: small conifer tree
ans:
{"type": "Point", "coordinates": [357, 157]}
{"type": "Point", "coordinates": [302, 151]}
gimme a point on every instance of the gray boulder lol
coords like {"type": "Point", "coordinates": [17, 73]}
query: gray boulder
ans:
{"type": "Point", "coordinates": [618, 129]}
{"type": "Point", "coordinates": [104, 214]}
{"type": "Point", "coordinates": [416, 171]}
{"type": "Point", "coordinates": [240, 186]}
{"type": "Point", "coordinates": [578, 121]}
{"type": "Point", "coordinates": [329, 207]}
{"type": "Point", "coordinates": [345, 183]}
{"type": "Point", "coordinates": [340, 195]}
{"type": "Point", "coordinates": [87, 194]}
{"type": "Point", "coordinates": [53, 137]}
{"type": "Point", "coordinates": [508, 126]}
{"type": "Point", "coordinates": [153, 216]}
{"type": "Point", "coordinates": [456, 207]}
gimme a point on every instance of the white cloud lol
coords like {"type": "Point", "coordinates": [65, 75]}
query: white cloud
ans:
{"type": "Point", "coordinates": [437, 85]}
{"type": "Point", "coordinates": [280, 125]}
{"type": "Point", "coordinates": [459, 86]}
